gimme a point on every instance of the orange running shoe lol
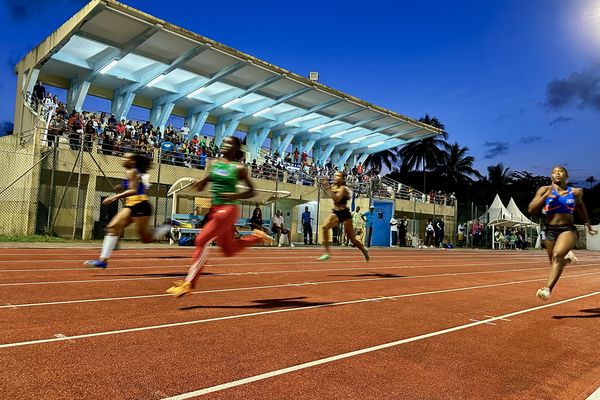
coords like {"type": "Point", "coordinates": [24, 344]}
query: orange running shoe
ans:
{"type": "Point", "coordinates": [264, 238]}
{"type": "Point", "coordinates": [181, 288]}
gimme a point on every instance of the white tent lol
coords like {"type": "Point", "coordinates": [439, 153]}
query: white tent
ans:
{"type": "Point", "coordinates": [496, 213]}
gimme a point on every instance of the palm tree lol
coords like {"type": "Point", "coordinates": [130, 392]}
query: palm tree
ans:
{"type": "Point", "coordinates": [388, 157]}
{"type": "Point", "coordinates": [499, 178]}
{"type": "Point", "coordinates": [424, 153]}
{"type": "Point", "coordinates": [591, 180]}
{"type": "Point", "coordinates": [455, 167]}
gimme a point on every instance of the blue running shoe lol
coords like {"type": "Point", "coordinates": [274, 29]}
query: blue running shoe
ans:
{"type": "Point", "coordinates": [96, 264]}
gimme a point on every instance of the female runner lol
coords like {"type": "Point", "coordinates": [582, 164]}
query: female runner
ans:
{"type": "Point", "coordinates": [559, 202]}
{"type": "Point", "coordinates": [223, 175]}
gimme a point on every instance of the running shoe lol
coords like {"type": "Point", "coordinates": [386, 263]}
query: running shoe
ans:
{"type": "Point", "coordinates": [543, 294]}
{"type": "Point", "coordinates": [181, 288]}
{"type": "Point", "coordinates": [324, 257]}
{"type": "Point", "coordinates": [570, 258]}
{"type": "Point", "coordinates": [96, 264]}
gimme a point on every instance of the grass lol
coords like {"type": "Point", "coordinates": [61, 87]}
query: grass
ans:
{"type": "Point", "coordinates": [31, 238]}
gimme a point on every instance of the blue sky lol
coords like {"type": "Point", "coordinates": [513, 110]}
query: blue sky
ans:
{"type": "Point", "coordinates": [517, 81]}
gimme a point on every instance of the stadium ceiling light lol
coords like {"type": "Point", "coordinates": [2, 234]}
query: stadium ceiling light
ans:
{"type": "Point", "coordinates": [109, 66]}
{"type": "Point", "coordinates": [231, 103]}
{"type": "Point", "coordinates": [261, 112]}
{"type": "Point", "coordinates": [156, 80]}
{"type": "Point", "coordinates": [376, 144]}
{"type": "Point", "coordinates": [196, 92]}
{"type": "Point", "coordinates": [293, 121]}
{"type": "Point", "coordinates": [359, 139]}
{"type": "Point", "coordinates": [344, 132]}
{"type": "Point", "coordinates": [316, 128]}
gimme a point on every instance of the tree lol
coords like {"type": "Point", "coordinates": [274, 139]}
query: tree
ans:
{"type": "Point", "coordinates": [499, 178]}
{"type": "Point", "coordinates": [388, 157]}
{"type": "Point", "coordinates": [424, 153]}
{"type": "Point", "coordinates": [591, 180]}
{"type": "Point", "coordinates": [455, 167]}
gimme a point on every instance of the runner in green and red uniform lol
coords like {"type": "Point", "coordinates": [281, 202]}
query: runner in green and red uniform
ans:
{"type": "Point", "coordinates": [223, 175]}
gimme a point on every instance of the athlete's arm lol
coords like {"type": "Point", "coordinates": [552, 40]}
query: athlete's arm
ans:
{"type": "Point", "coordinates": [201, 184]}
{"type": "Point", "coordinates": [132, 184]}
{"type": "Point", "coordinates": [582, 211]}
{"type": "Point", "coordinates": [540, 197]}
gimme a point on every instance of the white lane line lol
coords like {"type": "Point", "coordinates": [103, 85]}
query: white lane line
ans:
{"type": "Point", "coordinates": [477, 320]}
{"type": "Point", "coordinates": [595, 395]}
{"type": "Point", "coordinates": [370, 268]}
{"type": "Point", "coordinates": [299, 284]}
{"type": "Point", "coordinates": [359, 261]}
{"type": "Point", "coordinates": [366, 350]}
{"type": "Point", "coordinates": [491, 316]}
{"type": "Point", "coordinates": [260, 313]}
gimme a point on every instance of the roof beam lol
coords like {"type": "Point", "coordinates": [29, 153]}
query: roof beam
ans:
{"type": "Point", "coordinates": [335, 137]}
{"type": "Point", "coordinates": [283, 119]}
{"type": "Point", "coordinates": [264, 105]}
{"type": "Point", "coordinates": [194, 84]}
{"type": "Point", "coordinates": [315, 135]}
{"type": "Point", "coordinates": [227, 96]}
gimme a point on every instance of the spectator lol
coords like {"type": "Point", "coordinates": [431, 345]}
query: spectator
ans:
{"type": "Point", "coordinates": [39, 93]}
{"type": "Point", "coordinates": [256, 221]}
{"type": "Point", "coordinates": [307, 226]}
{"type": "Point", "coordinates": [394, 230]}
{"type": "Point", "coordinates": [439, 232]}
{"type": "Point", "coordinates": [429, 234]}
{"type": "Point", "coordinates": [368, 218]}
{"type": "Point", "coordinates": [461, 235]}
{"type": "Point", "coordinates": [56, 129]}
{"type": "Point", "coordinates": [402, 224]}
{"type": "Point", "coordinates": [89, 135]}
{"type": "Point", "coordinates": [279, 228]}
{"type": "Point", "coordinates": [358, 224]}
{"type": "Point", "coordinates": [75, 131]}
{"type": "Point", "coordinates": [476, 232]}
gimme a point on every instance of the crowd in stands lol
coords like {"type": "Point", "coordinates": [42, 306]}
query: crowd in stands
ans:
{"type": "Point", "coordinates": [115, 137]}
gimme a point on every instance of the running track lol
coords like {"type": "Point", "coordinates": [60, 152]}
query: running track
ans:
{"type": "Point", "coordinates": [275, 324]}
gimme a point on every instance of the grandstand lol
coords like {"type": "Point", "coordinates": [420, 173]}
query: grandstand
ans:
{"type": "Point", "coordinates": [57, 188]}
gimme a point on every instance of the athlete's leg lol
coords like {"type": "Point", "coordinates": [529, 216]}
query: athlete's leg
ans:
{"type": "Point", "coordinates": [350, 232]}
{"type": "Point", "coordinates": [113, 231]}
{"type": "Point", "coordinates": [330, 222]}
{"type": "Point", "coordinates": [565, 242]}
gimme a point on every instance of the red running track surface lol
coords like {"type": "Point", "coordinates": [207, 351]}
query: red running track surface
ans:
{"type": "Point", "coordinates": [276, 324]}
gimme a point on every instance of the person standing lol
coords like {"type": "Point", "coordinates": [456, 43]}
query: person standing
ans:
{"type": "Point", "coordinates": [476, 232]}
{"type": "Point", "coordinates": [402, 232]}
{"type": "Point", "coordinates": [307, 226]}
{"type": "Point", "coordinates": [394, 231]}
{"type": "Point", "coordinates": [358, 224]}
{"type": "Point", "coordinates": [368, 218]}
{"type": "Point", "coordinates": [559, 201]}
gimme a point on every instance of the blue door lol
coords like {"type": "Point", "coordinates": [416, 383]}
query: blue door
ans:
{"type": "Point", "coordinates": [381, 223]}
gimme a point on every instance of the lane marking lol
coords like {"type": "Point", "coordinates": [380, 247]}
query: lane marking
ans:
{"type": "Point", "coordinates": [502, 319]}
{"type": "Point", "coordinates": [595, 395]}
{"type": "Point", "coordinates": [283, 285]}
{"type": "Point", "coordinates": [285, 310]}
{"type": "Point", "coordinates": [477, 320]}
{"type": "Point", "coordinates": [366, 350]}
{"type": "Point", "coordinates": [279, 272]}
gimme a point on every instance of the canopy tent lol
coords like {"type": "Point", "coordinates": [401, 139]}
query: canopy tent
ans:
{"type": "Point", "coordinates": [183, 188]}
{"type": "Point", "coordinates": [517, 216]}
{"type": "Point", "coordinates": [499, 216]}
{"type": "Point", "coordinates": [496, 214]}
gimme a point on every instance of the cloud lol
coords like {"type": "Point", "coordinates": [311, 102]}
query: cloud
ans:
{"type": "Point", "coordinates": [531, 139]}
{"type": "Point", "coordinates": [21, 10]}
{"type": "Point", "coordinates": [560, 120]}
{"type": "Point", "coordinates": [581, 88]}
{"type": "Point", "coordinates": [496, 149]}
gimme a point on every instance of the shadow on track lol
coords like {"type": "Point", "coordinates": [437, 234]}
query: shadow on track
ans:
{"type": "Point", "coordinates": [592, 313]}
{"type": "Point", "coordinates": [268, 304]}
{"type": "Point", "coordinates": [375, 275]}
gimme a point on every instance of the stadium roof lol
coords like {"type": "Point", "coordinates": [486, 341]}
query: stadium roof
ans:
{"type": "Point", "coordinates": [156, 65]}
